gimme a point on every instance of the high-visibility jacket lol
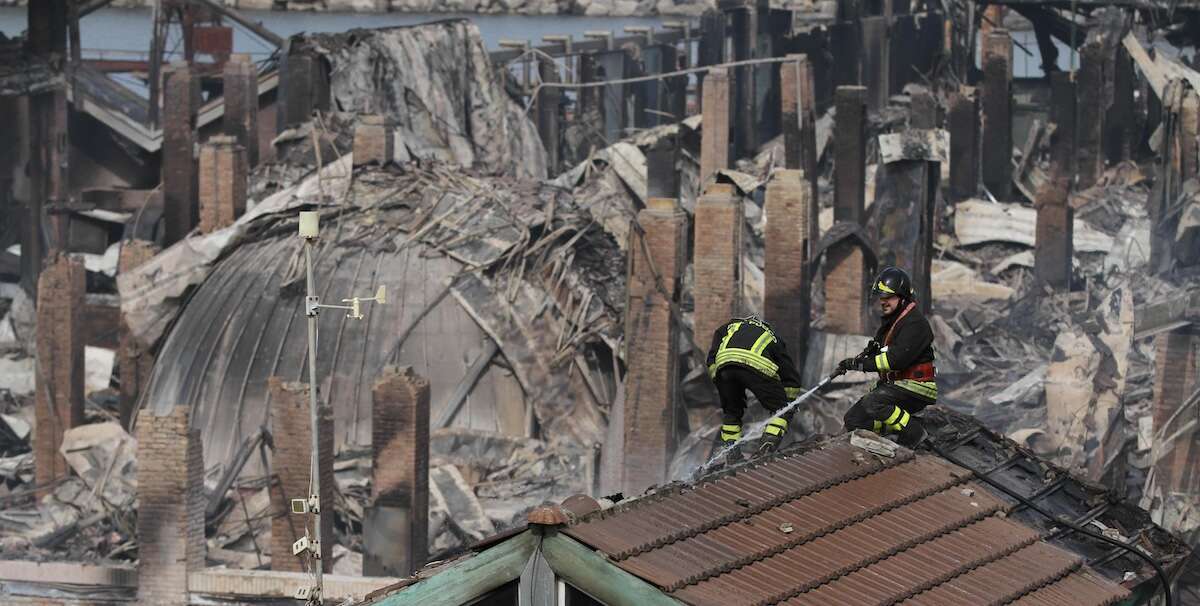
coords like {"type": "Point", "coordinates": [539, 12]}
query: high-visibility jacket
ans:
{"type": "Point", "coordinates": [906, 356]}
{"type": "Point", "coordinates": [751, 343]}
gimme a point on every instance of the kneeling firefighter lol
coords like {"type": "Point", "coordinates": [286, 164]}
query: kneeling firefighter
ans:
{"type": "Point", "coordinates": [902, 354]}
{"type": "Point", "coordinates": [747, 355]}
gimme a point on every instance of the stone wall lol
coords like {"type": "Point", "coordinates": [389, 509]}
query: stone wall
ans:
{"type": "Point", "coordinates": [596, 8]}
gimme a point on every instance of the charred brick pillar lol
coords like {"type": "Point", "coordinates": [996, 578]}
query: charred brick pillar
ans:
{"type": "Point", "coordinates": [846, 289]}
{"type": "Point", "coordinates": [223, 182]}
{"type": "Point", "coordinates": [181, 96]}
{"type": "Point", "coordinates": [657, 255]}
{"type": "Point", "coordinates": [717, 259]}
{"type": "Point", "coordinates": [1090, 110]}
{"type": "Point", "coordinates": [58, 403]}
{"type": "Point", "coordinates": [171, 501]}
{"type": "Point", "coordinates": [240, 80]}
{"type": "Point", "coordinates": [714, 145]}
{"type": "Point", "coordinates": [304, 88]}
{"type": "Point", "coordinates": [997, 114]}
{"type": "Point", "coordinates": [292, 464]}
{"type": "Point", "coordinates": [134, 360]}
{"type": "Point", "coordinates": [964, 145]}
{"type": "Point", "coordinates": [1175, 378]}
{"type": "Point", "coordinates": [850, 153]}
{"type": "Point", "coordinates": [787, 294]}
{"type": "Point", "coordinates": [374, 140]}
{"type": "Point", "coordinates": [396, 526]}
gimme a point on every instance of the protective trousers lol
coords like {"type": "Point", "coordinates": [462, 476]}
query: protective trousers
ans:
{"type": "Point", "coordinates": [888, 409]}
{"type": "Point", "coordinates": [732, 382]}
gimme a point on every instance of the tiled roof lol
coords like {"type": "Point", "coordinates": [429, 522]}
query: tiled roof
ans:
{"type": "Point", "coordinates": [835, 524]}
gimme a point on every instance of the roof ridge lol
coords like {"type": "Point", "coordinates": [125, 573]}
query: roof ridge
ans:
{"type": "Point", "coordinates": [791, 495]}
{"type": "Point", "coordinates": [820, 532]}
{"type": "Point", "coordinates": [905, 546]}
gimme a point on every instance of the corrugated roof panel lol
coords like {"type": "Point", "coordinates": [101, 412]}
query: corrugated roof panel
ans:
{"type": "Point", "coordinates": [838, 525]}
{"type": "Point", "coordinates": [1075, 588]}
{"type": "Point", "coordinates": [1003, 580]}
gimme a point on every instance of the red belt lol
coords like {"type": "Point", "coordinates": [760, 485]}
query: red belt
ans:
{"type": "Point", "coordinates": [919, 372]}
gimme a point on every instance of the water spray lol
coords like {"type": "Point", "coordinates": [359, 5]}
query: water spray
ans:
{"type": "Point", "coordinates": [757, 429]}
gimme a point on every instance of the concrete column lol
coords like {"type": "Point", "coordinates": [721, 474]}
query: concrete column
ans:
{"type": "Point", "coordinates": [924, 111]}
{"type": "Point", "coordinates": [745, 47]}
{"type": "Point", "coordinates": [240, 80]}
{"type": "Point", "coordinates": [134, 361]}
{"type": "Point", "coordinates": [850, 153]}
{"type": "Point", "coordinates": [171, 501]}
{"type": "Point", "coordinates": [181, 96]}
{"type": "Point", "coordinates": [292, 464]}
{"type": "Point", "coordinates": [964, 145]}
{"type": "Point", "coordinates": [1053, 243]}
{"type": "Point", "coordinates": [714, 145]}
{"type": "Point", "coordinates": [374, 140]}
{"type": "Point", "coordinates": [1091, 108]}
{"type": "Point", "coordinates": [58, 403]}
{"type": "Point", "coordinates": [657, 256]}
{"type": "Point", "coordinates": [789, 79]}
{"type": "Point", "coordinates": [712, 45]}
{"type": "Point", "coordinates": [1119, 126]}
{"type": "Point", "coordinates": [223, 183]}
{"type": "Point", "coordinates": [396, 526]}
{"type": "Point", "coordinates": [298, 91]}
{"type": "Point", "coordinates": [717, 251]}
{"type": "Point", "coordinates": [662, 178]}
{"type": "Point", "coordinates": [547, 114]}
{"type": "Point", "coordinates": [997, 114]}
{"type": "Point", "coordinates": [1175, 372]}
{"type": "Point", "coordinates": [875, 57]}
{"type": "Point", "coordinates": [787, 296]}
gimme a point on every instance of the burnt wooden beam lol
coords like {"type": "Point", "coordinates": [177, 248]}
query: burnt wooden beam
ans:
{"type": "Point", "coordinates": [745, 47]}
{"type": "Point", "coordinates": [964, 145]}
{"type": "Point", "coordinates": [850, 153]}
{"type": "Point", "coordinates": [548, 115]}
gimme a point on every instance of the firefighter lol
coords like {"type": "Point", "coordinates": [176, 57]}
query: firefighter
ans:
{"type": "Point", "coordinates": [902, 354]}
{"type": "Point", "coordinates": [747, 355]}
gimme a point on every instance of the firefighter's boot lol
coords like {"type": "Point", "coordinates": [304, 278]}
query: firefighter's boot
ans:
{"type": "Point", "coordinates": [772, 435]}
{"type": "Point", "coordinates": [730, 434]}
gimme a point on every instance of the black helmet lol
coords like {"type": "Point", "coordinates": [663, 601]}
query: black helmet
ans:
{"type": "Point", "coordinates": [893, 281]}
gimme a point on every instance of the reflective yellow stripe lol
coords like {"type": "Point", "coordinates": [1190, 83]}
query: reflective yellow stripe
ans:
{"type": "Point", "coordinates": [733, 328]}
{"type": "Point", "coordinates": [774, 431]}
{"type": "Point", "coordinates": [900, 424]}
{"type": "Point", "coordinates": [927, 389]}
{"type": "Point", "coordinates": [742, 356]}
{"type": "Point", "coordinates": [778, 422]}
{"type": "Point", "coordinates": [731, 437]}
{"type": "Point", "coordinates": [877, 426]}
{"type": "Point", "coordinates": [791, 392]}
{"type": "Point", "coordinates": [896, 412]}
{"type": "Point", "coordinates": [731, 428]}
{"type": "Point", "coordinates": [763, 341]}
{"type": "Point", "coordinates": [881, 362]}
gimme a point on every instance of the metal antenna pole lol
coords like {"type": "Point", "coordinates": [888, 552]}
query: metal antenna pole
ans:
{"type": "Point", "coordinates": [314, 482]}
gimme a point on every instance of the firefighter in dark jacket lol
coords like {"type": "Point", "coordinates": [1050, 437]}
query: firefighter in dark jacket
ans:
{"type": "Point", "coordinates": [902, 354]}
{"type": "Point", "coordinates": [747, 355]}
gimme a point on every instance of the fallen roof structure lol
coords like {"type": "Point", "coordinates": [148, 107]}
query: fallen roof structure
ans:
{"type": "Point", "coordinates": [850, 519]}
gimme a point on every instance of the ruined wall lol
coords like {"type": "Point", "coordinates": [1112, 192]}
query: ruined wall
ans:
{"type": "Point", "coordinates": [437, 84]}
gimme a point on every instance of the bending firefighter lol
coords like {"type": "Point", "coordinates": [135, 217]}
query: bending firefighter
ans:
{"type": "Point", "coordinates": [902, 354]}
{"type": "Point", "coordinates": [746, 355]}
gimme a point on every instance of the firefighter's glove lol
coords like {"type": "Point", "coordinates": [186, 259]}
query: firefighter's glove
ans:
{"type": "Point", "coordinates": [873, 348]}
{"type": "Point", "coordinates": [850, 364]}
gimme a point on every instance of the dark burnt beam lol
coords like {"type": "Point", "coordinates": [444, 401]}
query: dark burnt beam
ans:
{"type": "Point", "coordinates": [997, 114]}
{"type": "Point", "coordinates": [850, 153]}
{"type": "Point", "coordinates": [745, 47]}
{"type": "Point", "coordinates": [964, 145]}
